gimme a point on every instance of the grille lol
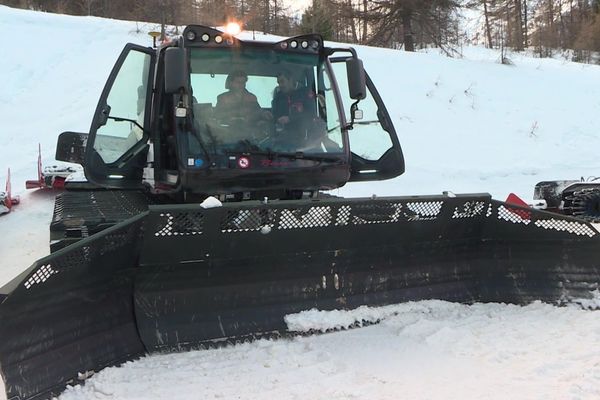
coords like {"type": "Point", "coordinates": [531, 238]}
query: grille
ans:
{"type": "Point", "coordinates": [470, 209]}
{"type": "Point", "coordinates": [248, 220]}
{"type": "Point", "coordinates": [181, 224]}
{"type": "Point", "coordinates": [514, 215]}
{"type": "Point", "coordinates": [40, 276]}
{"type": "Point", "coordinates": [312, 218]}
{"type": "Point", "coordinates": [577, 228]}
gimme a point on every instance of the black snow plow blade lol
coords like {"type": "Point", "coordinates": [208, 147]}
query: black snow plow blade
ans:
{"type": "Point", "coordinates": [177, 277]}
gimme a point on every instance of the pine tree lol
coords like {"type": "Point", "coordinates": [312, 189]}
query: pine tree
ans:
{"type": "Point", "coordinates": [316, 19]}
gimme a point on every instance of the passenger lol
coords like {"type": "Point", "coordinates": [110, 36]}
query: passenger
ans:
{"type": "Point", "coordinates": [237, 102]}
{"type": "Point", "coordinates": [296, 120]}
{"type": "Point", "coordinates": [291, 104]}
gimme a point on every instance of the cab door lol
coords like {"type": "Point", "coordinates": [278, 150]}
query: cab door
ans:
{"type": "Point", "coordinates": [375, 150]}
{"type": "Point", "coordinates": [117, 146]}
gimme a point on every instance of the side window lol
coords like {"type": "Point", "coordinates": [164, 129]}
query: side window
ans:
{"type": "Point", "coordinates": [124, 109]}
{"type": "Point", "coordinates": [368, 139]}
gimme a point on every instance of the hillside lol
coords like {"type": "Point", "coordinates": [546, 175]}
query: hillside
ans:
{"type": "Point", "coordinates": [466, 125]}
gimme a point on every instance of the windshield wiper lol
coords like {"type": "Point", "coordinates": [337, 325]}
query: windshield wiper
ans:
{"type": "Point", "coordinates": [120, 119]}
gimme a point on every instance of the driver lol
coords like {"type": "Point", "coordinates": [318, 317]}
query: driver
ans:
{"type": "Point", "coordinates": [237, 102]}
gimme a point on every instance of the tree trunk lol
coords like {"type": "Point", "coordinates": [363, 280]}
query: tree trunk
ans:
{"type": "Point", "coordinates": [363, 38]}
{"type": "Point", "coordinates": [519, 25]}
{"type": "Point", "coordinates": [525, 21]}
{"type": "Point", "coordinates": [275, 24]}
{"type": "Point", "coordinates": [348, 18]}
{"type": "Point", "coordinates": [488, 29]}
{"type": "Point", "coordinates": [267, 17]}
{"type": "Point", "coordinates": [551, 42]}
{"type": "Point", "coordinates": [409, 41]}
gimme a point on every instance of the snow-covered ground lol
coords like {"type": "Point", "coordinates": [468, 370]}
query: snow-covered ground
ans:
{"type": "Point", "coordinates": [425, 350]}
{"type": "Point", "coordinates": [466, 125]}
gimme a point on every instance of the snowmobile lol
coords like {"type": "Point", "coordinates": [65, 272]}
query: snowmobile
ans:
{"type": "Point", "coordinates": [50, 177]}
{"type": "Point", "coordinates": [579, 198]}
{"type": "Point", "coordinates": [151, 269]}
{"type": "Point", "coordinates": [7, 201]}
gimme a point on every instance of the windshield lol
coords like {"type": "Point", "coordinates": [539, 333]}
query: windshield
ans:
{"type": "Point", "coordinates": [260, 100]}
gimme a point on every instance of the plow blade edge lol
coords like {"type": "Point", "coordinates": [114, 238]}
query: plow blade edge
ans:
{"type": "Point", "coordinates": [177, 277]}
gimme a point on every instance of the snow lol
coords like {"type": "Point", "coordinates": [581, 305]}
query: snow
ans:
{"type": "Point", "coordinates": [466, 125]}
{"type": "Point", "coordinates": [323, 321]}
{"type": "Point", "coordinates": [592, 303]}
{"type": "Point", "coordinates": [424, 350]}
{"type": "Point", "coordinates": [211, 202]}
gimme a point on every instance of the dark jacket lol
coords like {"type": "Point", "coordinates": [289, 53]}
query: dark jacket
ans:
{"type": "Point", "coordinates": [295, 104]}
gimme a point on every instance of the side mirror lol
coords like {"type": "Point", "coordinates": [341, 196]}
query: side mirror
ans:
{"type": "Point", "coordinates": [176, 73]}
{"type": "Point", "coordinates": [71, 147]}
{"type": "Point", "coordinates": [357, 81]}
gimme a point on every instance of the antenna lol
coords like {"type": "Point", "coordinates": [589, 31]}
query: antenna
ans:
{"type": "Point", "coordinates": [154, 35]}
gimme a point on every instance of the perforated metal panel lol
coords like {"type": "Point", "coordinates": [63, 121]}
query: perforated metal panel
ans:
{"type": "Point", "coordinates": [312, 218]}
{"type": "Point", "coordinates": [40, 276]}
{"type": "Point", "coordinates": [248, 220]}
{"type": "Point", "coordinates": [113, 242]}
{"type": "Point", "coordinates": [305, 217]}
{"type": "Point", "coordinates": [77, 258]}
{"type": "Point", "coordinates": [471, 209]}
{"type": "Point", "coordinates": [577, 228]}
{"type": "Point", "coordinates": [424, 210]}
{"type": "Point", "coordinates": [82, 256]}
{"type": "Point", "coordinates": [514, 215]}
{"type": "Point", "coordinates": [181, 224]}
{"type": "Point", "coordinates": [82, 213]}
{"type": "Point", "coordinates": [74, 258]}
{"type": "Point", "coordinates": [377, 213]}
{"type": "Point", "coordinates": [546, 221]}
{"type": "Point", "coordinates": [343, 215]}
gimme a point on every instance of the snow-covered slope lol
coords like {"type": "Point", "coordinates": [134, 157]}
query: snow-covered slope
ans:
{"type": "Point", "coordinates": [465, 125]}
{"type": "Point", "coordinates": [476, 125]}
{"type": "Point", "coordinates": [53, 70]}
